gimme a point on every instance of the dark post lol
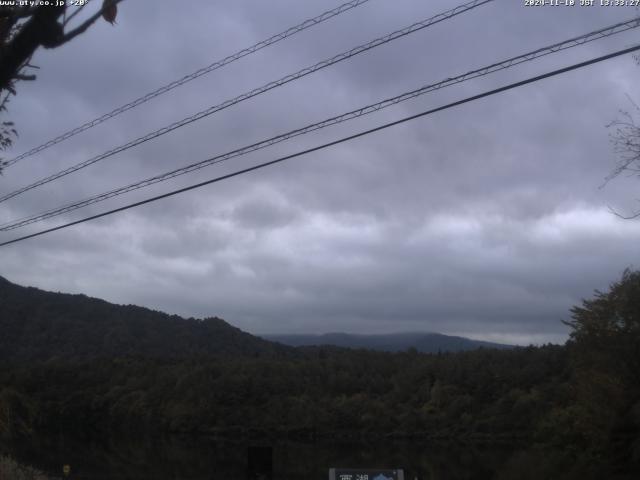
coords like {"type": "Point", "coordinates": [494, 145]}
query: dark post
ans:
{"type": "Point", "coordinates": [260, 463]}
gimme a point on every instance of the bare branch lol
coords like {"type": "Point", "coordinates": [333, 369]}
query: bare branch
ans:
{"type": "Point", "coordinates": [23, 29]}
{"type": "Point", "coordinates": [4, 101]}
{"type": "Point", "coordinates": [624, 217]}
{"type": "Point", "coordinates": [626, 142]}
{"type": "Point", "coordinates": [632, 102]}
{"type": "Point", "coordinates": [77, 11]}
{"type": "Point", "coordinates": [84, 25]}
{"type": "Point", "coordinates": [22, 76]}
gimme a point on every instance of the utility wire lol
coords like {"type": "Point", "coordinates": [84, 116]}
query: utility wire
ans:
{"type": "Point", "coordinates": [265, 88]}
{"type": "Point", "coordinates": [192, 76]}
{"type": "Point", "coordinates": [335, 142]}
{"type": "Point", "coordinates": [556, 47]}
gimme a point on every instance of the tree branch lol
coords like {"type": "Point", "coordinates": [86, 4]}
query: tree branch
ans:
{"type": "Point", "coordinates": [41, 29]}
{"type": "Point", "coordinates": [626, 143]}
{"type": "Point", "coordinates": [20, 12]}
{"type": "Point", "coordinates": [84, 25]}
{"type": "Point", "coordinates": [22, 76]}
{"type": "Point", "coordinates": [624, 217]}
{"type": "Point", "coordinates": [77, 11]}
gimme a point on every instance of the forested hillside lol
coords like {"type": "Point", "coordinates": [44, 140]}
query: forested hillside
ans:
{"type": "Point", "coordinates": [582, 399]}
{"type": "Point", "coordinates": [485, 394]}
{"type": "Point", "coordinates": [39, 325]}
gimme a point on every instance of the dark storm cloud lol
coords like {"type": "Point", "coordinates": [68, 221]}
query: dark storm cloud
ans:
{"type": "Point", "coordinates": [484, 220]}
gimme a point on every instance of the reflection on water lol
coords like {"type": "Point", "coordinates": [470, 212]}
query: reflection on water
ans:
{"type": "Point", "coordinates": [200, 458]}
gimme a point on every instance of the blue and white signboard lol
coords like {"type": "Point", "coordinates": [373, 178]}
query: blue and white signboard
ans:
{"type": "Point", "coordinates": [365, 474]}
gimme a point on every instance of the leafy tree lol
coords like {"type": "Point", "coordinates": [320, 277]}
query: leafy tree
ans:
{"type": "Point", "coordinates": [606, 330]}
{"type": "Point", "coordinates": [605, 345]}
{"type": "Point", "coordinates": [16, 414]}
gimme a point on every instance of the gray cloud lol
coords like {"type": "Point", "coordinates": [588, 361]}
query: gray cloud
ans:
{"type": "Point", "coordinates": [484, 220]}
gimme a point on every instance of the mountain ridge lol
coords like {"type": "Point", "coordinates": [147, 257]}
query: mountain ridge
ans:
{"type": "Point", "coordinates": [423, 342]}
{"type": "Point", "coordinates": [40, 325]}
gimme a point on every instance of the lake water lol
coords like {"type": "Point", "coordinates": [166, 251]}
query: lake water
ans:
{"type": "Point", "coordinates": [200, 458]}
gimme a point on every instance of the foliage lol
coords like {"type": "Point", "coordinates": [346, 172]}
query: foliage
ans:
{"type": "Point", "coordinates": [10, 469]}
{"type": "Point", "coordinates": [16, 414]}
{"type": "Point", "coordinates": [85, 365]}
{"type": "Point", "coordinates": [482, 394]}
{"type": "Point", "coordinates": [605, 351]}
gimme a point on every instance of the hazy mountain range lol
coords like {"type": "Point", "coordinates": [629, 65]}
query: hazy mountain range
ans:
{"type": "Point", "coordinates": [40, 325]}
{"type": "Point", "coordinates": [395, 342]}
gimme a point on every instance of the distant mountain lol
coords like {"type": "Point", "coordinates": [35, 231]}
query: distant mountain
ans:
{"type": "Point", "coordinates": [40, 325]}
{"type": "Point", "coordinates": [396, 342]}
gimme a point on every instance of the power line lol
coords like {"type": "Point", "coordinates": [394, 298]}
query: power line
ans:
{"type": "Point", "coordinates": [265, 88]}
{"type": "Point", "coordinates": [335, 142]}
{"type": "Point", "coordinates": [192, 76]}
{"type": "Point", "coordinates": [529, 56]}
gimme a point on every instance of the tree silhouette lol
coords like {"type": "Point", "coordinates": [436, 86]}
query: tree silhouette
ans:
{"type": "Point", "coordinates": [626, 143]}
{"type": "Point", "coordinates": [24, 29]}
{"type": "Point", "coordinates": [605, 346]}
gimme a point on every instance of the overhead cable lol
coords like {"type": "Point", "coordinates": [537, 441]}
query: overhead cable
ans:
{"type": "Point", "coordinates": [504, 64]}
{"type": "Point", "coordinates": [257, 91]}
{"type": "Point", "coordinates": [192, 76]}
{"type": "Point", "coordinates": [335, 142]}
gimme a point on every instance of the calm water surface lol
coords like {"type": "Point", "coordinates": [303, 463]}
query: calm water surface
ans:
{"type": "Point", "coordinates": [200, 458]}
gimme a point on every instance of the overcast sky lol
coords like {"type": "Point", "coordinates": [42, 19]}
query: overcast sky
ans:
{"type": "Point", "coordinates": [486, 220]}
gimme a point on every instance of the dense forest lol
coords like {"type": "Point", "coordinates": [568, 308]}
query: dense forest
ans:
{"type": "Point", "coordinates": [125, 372]}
